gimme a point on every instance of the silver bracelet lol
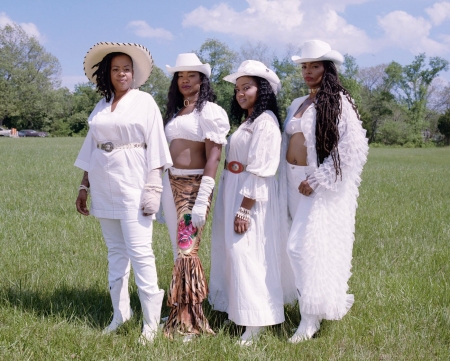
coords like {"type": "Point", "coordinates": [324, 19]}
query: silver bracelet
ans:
{"type": "Point", "coordinates": [82, 186]}
{"type": "Point", "coordinates": [244, 210]}
{"type": "Point", "coordinates": [243, 216]}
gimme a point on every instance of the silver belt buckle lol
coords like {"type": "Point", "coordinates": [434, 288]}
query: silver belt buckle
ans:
{"type": "Point", "coordinates": [107, 147]}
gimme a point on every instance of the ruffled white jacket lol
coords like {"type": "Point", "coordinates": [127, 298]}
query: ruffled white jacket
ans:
{"type": "Point", "coordinates": [327, 240]}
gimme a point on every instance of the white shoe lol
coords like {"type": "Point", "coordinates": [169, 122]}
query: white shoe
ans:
{"type": "Point", "coordinates": [147, 335]}
{"type": "Point", "coordinates": [151, 309]}
{"type": "Point", "coordinates": [121, 304]}
{"type": "Point", "coordinates": [188, 338]}
{"type": "Point", "coordinates": [251, 334]}
{"type": "Point", "coordinates": [309, 325]}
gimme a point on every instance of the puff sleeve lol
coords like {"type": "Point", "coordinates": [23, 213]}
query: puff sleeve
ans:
{"type": "Point", "coordinates": [353, 149]}
{"type": "Point", "coordinates": [263, 157]}
{"type": "Point", "coordinates": [214, 123]}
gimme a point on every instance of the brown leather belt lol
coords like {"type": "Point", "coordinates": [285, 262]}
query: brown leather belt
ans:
{"type": "Point", "coordinates": [235, 167]}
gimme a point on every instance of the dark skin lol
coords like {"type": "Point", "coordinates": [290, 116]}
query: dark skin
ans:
{"type": "Point", "coordinates": [81, 202]}
{"type": "Point", "coordinates": [246, 89]}
{"type": "Point", "coordinates": [297, 152]}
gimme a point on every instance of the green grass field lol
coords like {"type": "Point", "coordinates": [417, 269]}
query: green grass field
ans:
{"type": "Point", "coordinates": [54, 298]}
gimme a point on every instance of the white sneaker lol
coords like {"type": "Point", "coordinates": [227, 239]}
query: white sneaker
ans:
{"type": "Point", "coordinates": [147, 335]}
{"type": "Point", "coordinates": [115, 324]}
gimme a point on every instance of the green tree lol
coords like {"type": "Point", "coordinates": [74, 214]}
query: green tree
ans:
{"type": "Point", "coordinates": [411, 83]}
{"type": "Point", "coordinates": [221, 58]}
{"type": "Point", "coordinates": [158, 86]}
{"type": "Point", "coordinates": [28, 76]}
{"type": "Point", "coordinates": [444, 126]}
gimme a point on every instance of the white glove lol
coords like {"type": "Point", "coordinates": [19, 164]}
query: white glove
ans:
{"type": "Point", "coordinates": [201, 203]}
{"type": "Point", "coordinates": [151, 194]}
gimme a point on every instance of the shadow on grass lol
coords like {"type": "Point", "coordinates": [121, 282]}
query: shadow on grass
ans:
{"type": "Point", "coordinates": [89, 306]}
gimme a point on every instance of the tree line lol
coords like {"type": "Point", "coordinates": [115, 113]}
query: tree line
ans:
{"type": "Point", "coordinates": [398, 105]}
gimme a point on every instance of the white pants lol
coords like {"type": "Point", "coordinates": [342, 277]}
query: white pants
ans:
{"type": "Point", "coordinates": [131, 240]}
{"type": "Point", "coordinates": [295, 175]}
{"type": "Point", "coordinates": [168, 203]}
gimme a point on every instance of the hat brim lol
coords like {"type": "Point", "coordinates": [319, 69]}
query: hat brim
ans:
{"type": "Point", "coordinates": [336, 57]}
{"type": "Point", "coordinates": [201, 68]}
{"type": "Point", "coordinates": [276, 86]}
{"type": "Point", "coordinates": [142, 59]}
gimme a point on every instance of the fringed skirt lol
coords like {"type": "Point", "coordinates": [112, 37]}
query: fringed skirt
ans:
{"type": "Point", "coordinates": [188, 287]}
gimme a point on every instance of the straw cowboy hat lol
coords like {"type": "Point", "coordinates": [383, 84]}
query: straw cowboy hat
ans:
{"type": "Point", "coordinates": [256, 68]}
{"type": "Point", "coordinates": [318, 50]}
{"type": "Point", "coordinates": [189, 62]}
{"type": "Point", "coordinates": [141, 57]}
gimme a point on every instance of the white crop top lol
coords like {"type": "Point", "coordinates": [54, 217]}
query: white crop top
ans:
{"type": "Point", "coordinates": [294, 126]}
{"type": "Point", "coordinates": [211, 123]}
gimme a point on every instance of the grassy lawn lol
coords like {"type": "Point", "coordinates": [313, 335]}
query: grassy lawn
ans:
{"type": "Point", "coordinates": [54, 298]}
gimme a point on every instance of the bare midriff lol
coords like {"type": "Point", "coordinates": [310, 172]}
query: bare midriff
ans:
{"type": "Point", "coordinates": [296, 152]}
{"type": "Point", "coordinates": [187, 154]}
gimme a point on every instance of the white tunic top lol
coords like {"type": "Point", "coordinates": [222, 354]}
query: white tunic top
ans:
{"type": "Point", "coordinates": [245, 279]}
{"type": "Point", "coordinates": [117, 178]}
{"type": "Point", "coordinates": [211, 123]}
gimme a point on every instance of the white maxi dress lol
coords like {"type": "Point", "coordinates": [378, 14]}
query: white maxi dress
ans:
{"type": "Point", "coordinates": [245, 279]}
{"type": "Point", "coordinates": [320, 240]}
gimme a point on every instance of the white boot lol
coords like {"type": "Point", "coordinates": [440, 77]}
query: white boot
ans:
{"type": "Point", "coordinates": [251, 334]}
{"type": "Point", "coordinates": [151, 309]}
{"type": "Point", "coordinates": [309, 325]}
{"type": "Point", "coordinates": [121, 304]}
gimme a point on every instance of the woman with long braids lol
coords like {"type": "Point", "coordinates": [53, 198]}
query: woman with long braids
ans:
{"type": "Point", "coordinates": [245, 280]}
{"type": "Point", "coordinates": [123, 156]}
{"type": "Point", "coordinates": [323, 153]}
{"type": "Point", "coordinates": [196, 129]}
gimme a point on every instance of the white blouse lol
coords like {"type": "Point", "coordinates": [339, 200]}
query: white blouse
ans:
{"type": "Point", "coordinates": [118, 177]}
{"type": "Point", "coordinates": [256, 145]}
{"type": "Point", "coordinates": [211, 123]}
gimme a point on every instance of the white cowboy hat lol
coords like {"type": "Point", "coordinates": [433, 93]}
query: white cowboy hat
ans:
{"type": "Point", "coordinates": [142, 59]}
{"type": "Point", "coordinates": [256, 68]}
{"type": "Point", "coordinates": [318, 50]}
{"type": "Point", "coordinates": [189, 62]}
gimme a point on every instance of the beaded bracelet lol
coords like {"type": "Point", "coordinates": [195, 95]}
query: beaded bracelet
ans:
{"type": "Point", "coordinates": [82, 186]}
{"type": "Point", "coordinates": [244, 214]}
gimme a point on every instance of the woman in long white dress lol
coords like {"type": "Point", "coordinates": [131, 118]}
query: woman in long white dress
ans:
{"type": "Point", "coordinates": [323, 152]}
{"type": "Point", "coordinates": [245, 279]}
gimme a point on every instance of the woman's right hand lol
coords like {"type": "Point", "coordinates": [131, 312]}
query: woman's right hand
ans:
{"type": "Point", "coordinates": [81, 202]}
{"type": "Point", "coordinates": [240, 225]}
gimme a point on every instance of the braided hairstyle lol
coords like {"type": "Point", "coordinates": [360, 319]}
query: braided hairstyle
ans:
{"type": "Point", "coordinates": [328, 106]}
{"type": "Point", "coordinates": [175, 98]}
{"type": "Point", "coordinates": [103, 74]}
{"type": "Point", "coordinates": [265, 100]}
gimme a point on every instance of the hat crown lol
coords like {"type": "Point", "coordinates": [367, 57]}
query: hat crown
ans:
{"type": "Point", "coordinates": [187, 59]}
{"type": "Point", "coordinates": [315, 49]}
{"type": "Point", "coordinates": [253, 67]}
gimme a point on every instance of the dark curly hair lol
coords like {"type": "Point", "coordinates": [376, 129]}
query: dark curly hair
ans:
{"type": "Point", "coordinates": [328, 104]}
{"type": "Point", "coordinates": [175, 98]}
{"type": "Point", "coordinates": [265, 100]}
{"type": "Point", "coordinates": [103, 74]}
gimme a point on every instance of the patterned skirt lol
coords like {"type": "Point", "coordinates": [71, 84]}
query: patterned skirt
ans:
{"type": "Point", "coordinates": [188, 287]}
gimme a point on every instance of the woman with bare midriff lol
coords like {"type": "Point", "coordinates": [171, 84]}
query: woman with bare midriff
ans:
{"type": "Point", "coordinates": [196, 129]}
{"type": "Point", "coordinates": [323, 152]}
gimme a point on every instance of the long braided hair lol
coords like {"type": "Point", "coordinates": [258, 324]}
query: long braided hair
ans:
{"type": "Point", "coordinates": [103, 74]}
{"type": "Point", "coordinates": [265, 100]}
{"type": "Point", "coordinates": [328, 106]}
{"type": "Point", "coordinates": [175, 98]}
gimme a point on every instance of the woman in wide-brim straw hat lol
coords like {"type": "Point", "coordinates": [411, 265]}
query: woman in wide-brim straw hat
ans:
{"type": "Point", "coordinates": [122, 157]}
{"type": "Point", "coordinates": [196, 129]}
{"type": "Point", "coordinates": [245, 279]}
{"type": "Point", "coordinates": [323, 152]}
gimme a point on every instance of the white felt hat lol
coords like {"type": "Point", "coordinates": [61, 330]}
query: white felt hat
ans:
{"type": "Point", "coordinates": [142, 59]}
{"type": "Point", "coordinates": [189, 62]}
{"type": "Point", "coordinates": [318, 50]}
{"type": "Point", "coordinates": [256, 68]}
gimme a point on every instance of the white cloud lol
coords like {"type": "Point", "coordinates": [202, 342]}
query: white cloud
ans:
{"type": "Point", "coordinates": [142, 29]}
{"type": "Point", "coordinates": [439, 12]}
{"type": "Point", "coordinates": [284, 21]}
{"type": "Point", "coordinates": [410, 33]}
{"type": "Point", "coordinates": [29, 28]}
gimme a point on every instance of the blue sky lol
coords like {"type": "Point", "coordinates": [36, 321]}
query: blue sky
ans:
{"type": "Point", "coordinates": [373, 31]}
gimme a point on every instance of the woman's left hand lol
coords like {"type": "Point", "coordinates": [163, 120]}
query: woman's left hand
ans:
{"type": "Point", "coordinates": [305, 188]}
{"type": "Point", "coordinates": [240, 225]}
